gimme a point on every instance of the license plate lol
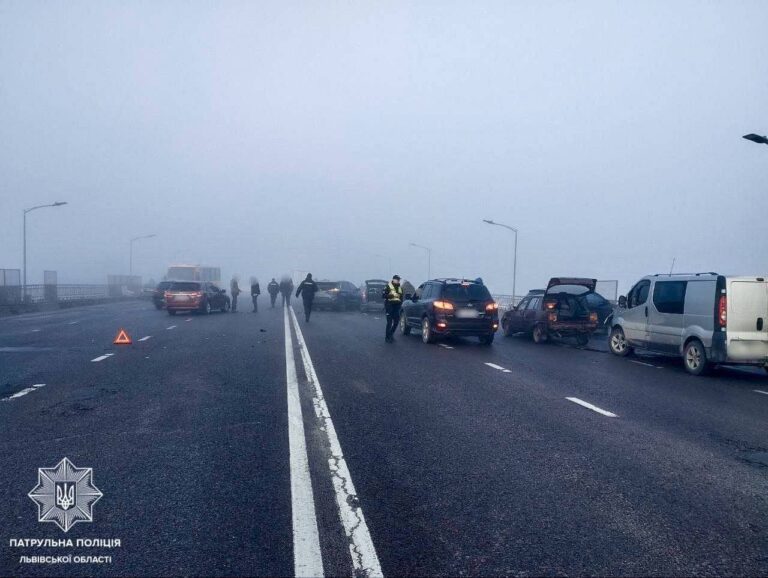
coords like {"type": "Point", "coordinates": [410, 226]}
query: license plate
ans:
{"type": "Point", "coordinates": [467, 313]}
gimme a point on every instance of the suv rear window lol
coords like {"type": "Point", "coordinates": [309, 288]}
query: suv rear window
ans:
{"type": "Point", "coordinates": [163, 285]}
{"type": "Point", "coordinates": [326, 285]}
{"type": "Point", "coordinates": [184, 286]}
{"type": "Point", "coordinates": [570, 289]}
{"type": "Point", "coordinates": [469, 292]}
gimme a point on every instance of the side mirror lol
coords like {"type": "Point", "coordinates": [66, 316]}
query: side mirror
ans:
{"type": "Point", "coordinates": [409, 296]}
{"type": "Point", "coordinates": [623, 302]}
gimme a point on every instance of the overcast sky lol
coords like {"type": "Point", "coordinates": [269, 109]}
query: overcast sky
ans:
{"type": "Point", "coordinates": [264, 137]}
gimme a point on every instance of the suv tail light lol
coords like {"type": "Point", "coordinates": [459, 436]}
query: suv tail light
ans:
{"type": "Point", "coordinates": [550, 305]}
{"type": "Point", "coordinates": [552, 316]}
{"type": "Point", "coordinates": [445, 305]}
{"type": "Point", "coordinates": [491, 307]}
{"type": "Point", "coordinates": [722, 311]}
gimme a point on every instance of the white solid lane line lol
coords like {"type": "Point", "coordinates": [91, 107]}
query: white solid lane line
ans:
{"type": "Point", "coordinates": [171, 327]}
{"type": "Point", "coordinates": [145, 338]}
{"type": "Point", "coordinates": [494, 366]}
{"type": "Point", "coordinates": [23, 392]}
{"type": "Point", "coordinates": [760, 391]}
{"type": "Point", "coordinates": [361, 548]}
{"type": "Point", "coordinates": [103, 357]}
{"type": "Point", "coordinates": [307, 558]}
{"type": "Point", "coordinates": [583, 403]}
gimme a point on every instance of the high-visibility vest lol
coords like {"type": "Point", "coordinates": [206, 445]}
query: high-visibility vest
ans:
{"type": "Point", "coordinates": [394, 294]}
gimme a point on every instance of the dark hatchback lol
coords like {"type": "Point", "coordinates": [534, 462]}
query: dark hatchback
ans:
{"type": "Point", "coordinates": [448, 307]}
{"type": "Point", "coordinates": [195, 296]}
{"type": "Point", "coordinates": [337, 295]}
{"type": "Point", "coordinates": [371, 294]}
{"type": "Point", "coordinates": [562, 310]}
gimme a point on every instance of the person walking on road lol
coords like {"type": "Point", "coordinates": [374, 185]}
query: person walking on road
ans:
{"type": "Point", "coordinates": [234, 290]}
{"type": "Point", "coordinates": [393, 301]}
{"type": "Point", "coordinates": [255, 292]}
{"type": "Point", "coordinates": [286, 288]}
{"type": "Point", "coordinates": [307, 290]}
{"type": "Point", "coordinates": [273, 289]}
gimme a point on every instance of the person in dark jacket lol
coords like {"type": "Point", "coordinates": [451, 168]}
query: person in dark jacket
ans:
{"type": "Point", "coordinates": [307, 290]}
{"type": "Point", "coordinates": [273, 289]}
{"type": "Point", "coordinates": [234, 290]}
{"type": "Point", "coordinates": [393, 301]}
{"type": "Point", "coordinates": [286, 288]}
{"type": "Point", "coordinates": [255, 292]}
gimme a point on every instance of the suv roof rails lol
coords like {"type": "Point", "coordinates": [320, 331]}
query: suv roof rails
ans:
{"type": "Point", "coordinates": [684, 274]}
{"type": "Point", "coordinates": [456, 280]}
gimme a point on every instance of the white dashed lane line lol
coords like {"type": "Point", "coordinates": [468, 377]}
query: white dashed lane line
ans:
{"type": "Point", "coordinates": [499, 367]}
{"type": "Point", "coordinates": [73, 323]}
{"type": "Point", "coordinates": [171, 327]}
{"type": "Point", "coordinates": [189, 319]}
{"type": "Point", "coordinates": [646, 364]}
{"type": "Point", "coordinates": [23, 392]}
{"type": "Point", "coordinates": [444, 346]}
{"type": "Point", "coordinates": [583, 403]}
{"type": "Point", "coordinates": [102, 357]}
{"type": "Point", "coordinates": [145, 338]}
{"type": "Point", "coordinates": [760, 391]}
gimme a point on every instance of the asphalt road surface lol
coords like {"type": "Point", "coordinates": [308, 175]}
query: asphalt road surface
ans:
{"type": "Point", "coordinates": [253, 444]}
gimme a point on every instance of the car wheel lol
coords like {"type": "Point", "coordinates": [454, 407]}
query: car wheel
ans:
{"type": "Point", "coordinates": [158, 306]}
{"type": "Point", "coordinates": [539, 334]}
{"type": "Point", "coordinates": [171, 312]}
{"type": "Point", "coordinates": [427, 335]}
{"type": "Point", "coordinates": [487, 339]}
{"type": "Point", "coordinates": [206, 308]}
{"type": "Point", "coordinates": [582, 340]}
{"type": "Point", "coordinates": [617, 343]}
{"type": "Point", "coordinates": [695, 358]}
{"type": "Point", "coordinates": [505, 328]}
{"type": "Point", "coordinates": [226, 307]}
{"type": "Point", "coordinates": [405, 329]}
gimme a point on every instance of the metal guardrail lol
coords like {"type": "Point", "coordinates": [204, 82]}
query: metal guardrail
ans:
{"type": "Point", "coordinates": [506, 301]}
{"type": "Point", "coordinates": [35, 294]}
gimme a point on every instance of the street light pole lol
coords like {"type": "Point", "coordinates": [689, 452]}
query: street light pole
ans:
{"type": "Point", "coordinates": [514, 265]}
{"type": "Point", "coordinates": [24, 246]}
{"type": "Point", "coordinates": [429, 258]}
{"type": "Point", "coordinates": [130, 258]}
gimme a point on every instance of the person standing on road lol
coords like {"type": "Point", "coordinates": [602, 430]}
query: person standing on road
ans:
{"type": "Point", "coordinates": [307, 290]}
{"type": "Point", "coordinates": [286, 288]}
{"type": "Point", "coordinates": [255, 292]}
{"type": "Point", "coordinates": [393, 301]}
{"type": "Point", "coordinates": [273, 289]}
{"type": "Point", "coordinates": [234, 290]}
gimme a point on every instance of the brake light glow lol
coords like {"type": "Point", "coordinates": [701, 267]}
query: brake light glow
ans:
{"type": "Point", "coordinates": [446, 305]}
{"type": "Point", "coordinates": [722, 311]}
{"type": "Point", "coordinates": [552, 317]}
{"type": "Point", "coordinates": [442, 325]}
{"type": "Point", "coordinates": [551, 305]}
{"type": "Point", "coordinates": [492, 307]}
{"type": "Point", "coordinates": [593, 317]}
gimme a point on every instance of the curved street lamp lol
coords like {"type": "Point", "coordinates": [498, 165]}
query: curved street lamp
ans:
{"type": "Point", "coordinates": [24, 259]}
{"type": "Point", "coordinates": [756, 138]}
{"type": "Point", "coordinates": [514, 266]}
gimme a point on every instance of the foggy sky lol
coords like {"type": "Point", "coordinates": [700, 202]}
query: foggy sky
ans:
{"type": "Point", "coordinates": [266, 137]}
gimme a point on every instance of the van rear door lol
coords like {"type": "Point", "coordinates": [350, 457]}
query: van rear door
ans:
{"type": "Point", "coordinates": [747, 319]}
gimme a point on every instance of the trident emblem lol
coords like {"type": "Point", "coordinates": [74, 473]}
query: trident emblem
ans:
{"type": "Point", "coordinates": [65, 495]}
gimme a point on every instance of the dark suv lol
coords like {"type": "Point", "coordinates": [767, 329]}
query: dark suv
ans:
{"type": "Point", "coordinates": [158, 294]}
{"type": "Point", "coordinates": [443, 307]}
{"type": "Point", "coordinates": [337, 295]}
{"type": "Point", "coordinates": [195, 296]}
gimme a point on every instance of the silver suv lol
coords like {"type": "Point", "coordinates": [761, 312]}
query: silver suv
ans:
{"type": "Point", "coordinates": [706, 318]}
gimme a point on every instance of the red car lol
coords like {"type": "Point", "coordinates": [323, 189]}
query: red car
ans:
{"type": "Point", "coordinates": [195, 296]}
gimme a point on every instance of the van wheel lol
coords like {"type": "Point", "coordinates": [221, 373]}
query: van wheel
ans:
{"type": "Point", "coordinates": [617, 343]}
{"type": "Point", "coordinates": [539, 334]}
{"type": "Point", "coordinates": [405, 329]}
{"type": "Point", "coordinates": [427, 336]}
{"type": "Point", "coordinates": [695, 358]}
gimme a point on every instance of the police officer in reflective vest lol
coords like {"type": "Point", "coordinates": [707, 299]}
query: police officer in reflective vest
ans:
{"type": "Point", "coordinates": [393, 300]}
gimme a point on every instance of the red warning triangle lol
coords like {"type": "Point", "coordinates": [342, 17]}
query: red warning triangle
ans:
{"type": "Point", "coordinates": [122, 338]}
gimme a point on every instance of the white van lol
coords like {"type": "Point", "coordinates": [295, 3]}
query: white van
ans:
{"type": "Point", "coordinates": [706, 318]}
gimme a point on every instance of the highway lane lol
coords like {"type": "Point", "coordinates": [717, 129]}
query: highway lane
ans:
{"type": "Point", "coordinates": [465, 459]}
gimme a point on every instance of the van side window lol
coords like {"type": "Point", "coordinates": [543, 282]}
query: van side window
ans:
{"type": "Point", "coordinates": [639, 294]}
{"type": "Point", "coordinates": [669, 296]}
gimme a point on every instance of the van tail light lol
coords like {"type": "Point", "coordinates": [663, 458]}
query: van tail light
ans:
{"type": "Point", "coordinates": [491, 307]}
{"type": "Point", "coordinates": [593, 317]}
{"type": "Point", "coordinates": [552, 317]}
{"type": "Point", "coordinates": [722, 311]}
{"type": "Point", "coordinates": [445, 305]}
